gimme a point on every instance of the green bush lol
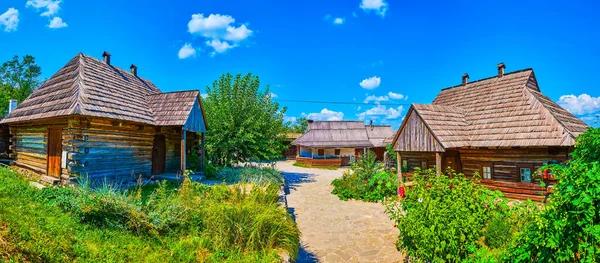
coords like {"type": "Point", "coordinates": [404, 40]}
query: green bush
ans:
{"type": "Point", "coordinates": [445, 219]}
{"type": "Point", "coordinates": [366, 180]}
{"type": "Point", "coordinates": [155, 223]}
{"type": "Point", "coordinates": [254, 175]}
{"type": "Point", "coordinates": [568, 228]}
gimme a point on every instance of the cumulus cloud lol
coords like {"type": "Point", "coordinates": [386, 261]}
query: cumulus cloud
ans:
{"type": "Point", "coordinates": [371, 83]}
{"type": "Point", "coordinates": [338, 21]}
{"type": "Point", "coordinates": [381, 111]}
{"type": "Point", "coordinates": [187, 51]}
{"type": "Point", "coordinates": [378, 6]}
{"type": "Point", "coordinates": [273, 95]}
{"type": "Point", "coordinates": [325, 115]}
{"type": "Point", "coordinates": [10, 20]}
{"type": "Point", "coordinates": [397, 96]}
{"type": "Point", "coordinates": [57, 22]}
{"type": "Point", "coordinates": [376, 99]}
{"type": "Point", "coordinates": [220, 31]}
{"type": "Point", "coordinates": [580, 105]}
{"type": "Point", "coordinates": [287, 119]}
{"type": "Point", "coordinates": [51, 7]}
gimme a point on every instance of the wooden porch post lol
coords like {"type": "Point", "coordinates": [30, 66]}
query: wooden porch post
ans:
{"type": "Point", "coordinates": [183, 150]}
{"type": "Point", "coordinates": [438, 163]}
{"type": "Point", "coordinates": [399, 161]}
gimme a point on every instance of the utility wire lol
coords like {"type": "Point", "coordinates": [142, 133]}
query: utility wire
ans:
{"type": "Point", "coordinates": [342, 102]}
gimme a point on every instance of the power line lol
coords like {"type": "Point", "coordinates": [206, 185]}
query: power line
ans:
{"type": "Point", "coordinates": [347, 103]}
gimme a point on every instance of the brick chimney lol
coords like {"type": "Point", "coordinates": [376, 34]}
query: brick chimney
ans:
{"type": "Point", "coordinates": [106, 57]}
{"type": "Point", "coordinates": [465, 79]}
{"type": "Point", "coordinates": [501, 68]}
{"type": "Point", "coordinates": [133, 69]}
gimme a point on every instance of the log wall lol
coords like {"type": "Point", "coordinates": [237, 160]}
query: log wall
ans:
{"type": "Point", "coordinates": [29, 144]}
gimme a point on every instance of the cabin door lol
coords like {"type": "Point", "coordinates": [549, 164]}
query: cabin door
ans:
{"type": "Point", "coordinates": [54, 152]}
{"type": "Point", "coordinates": [159, 154]}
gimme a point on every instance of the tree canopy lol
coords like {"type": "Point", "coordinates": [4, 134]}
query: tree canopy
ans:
{"type": "Point", "coordinates": [244, 122]}
{"type": "Point", "coordinates": [18, 78]}
{"type": "Point", "coordinates": [299, 126]}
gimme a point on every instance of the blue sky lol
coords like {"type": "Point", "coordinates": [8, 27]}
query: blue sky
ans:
{"type": "Point", "coordinates": [401, 51]}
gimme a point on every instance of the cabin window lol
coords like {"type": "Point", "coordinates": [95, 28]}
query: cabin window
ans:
{"type": "Point", "coordinates": [337, 152]}
{"type": "Point", "coordinates": [487, 172]}
{"type": "Point", "coordinates": [424, 165]}
{"type": "Point", "coordinates": [404, 163]}
{"type": "Point", "coordinates": [321, 152]}
{"type": "Point", "coordinates": [525, 174]}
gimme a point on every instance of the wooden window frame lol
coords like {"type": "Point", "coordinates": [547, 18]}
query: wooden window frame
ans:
{"type": "Point", "coordinates": [319, 151]}
{"type": "Point", "coordinates": [426, 164]}
{"type": "Point", "coordinates": [531, 171]}
{"type": "Point", "coordinates": [491, 167]}
{"type": "Point", "coordinates": [337, 152]}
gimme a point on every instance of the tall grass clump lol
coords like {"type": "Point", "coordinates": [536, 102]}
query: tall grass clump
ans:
{"type": "Point", "coordinates": [190, 222]}
{"type": "Point", "coordinates": [254, 175]}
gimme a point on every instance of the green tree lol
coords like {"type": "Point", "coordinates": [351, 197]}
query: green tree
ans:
{"type": "Point", "coordinates": [245, 124]}
{"type": "Point", "coordinates": [18, 78]}
{"type": "Point", "coordinates": [568, 229]}
{"type": "Point", "coordinates": [299, 126]}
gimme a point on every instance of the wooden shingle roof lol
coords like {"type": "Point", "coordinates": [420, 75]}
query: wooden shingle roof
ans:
{"type": "Point", "coordinates": [87, 86]}
{"type": "Point", "coordinates": [506, 111]}
{"type": "Point", "coordinates": [343, 134]}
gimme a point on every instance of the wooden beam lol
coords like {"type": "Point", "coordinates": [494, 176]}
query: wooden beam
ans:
{"type": "Point", "coordinates": [183, 152]}
{"type": "Point", "coordinates": [399, 161]}
{"type": "Point", "coordinates": [438, 163]}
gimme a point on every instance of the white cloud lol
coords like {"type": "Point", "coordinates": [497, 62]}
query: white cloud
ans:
{"type": "Point", "coordinates": [377, 6]}
{"type": "Point", "coordinates": [338, 21]}
{"type": "Point", "coordinates": [397, 96]}
{"type": "Point", "coordinates": [203, 95]}
{"type": "Point", "coordinates": [580, 105]}
{"type": "Point", "coordinates": [376, 99]}
{"type": "Point", "coordinates": [381, 111]}
{"type": "Point", "coordinates": [219, 46]}
{"type": "Point", "coordinates": [289, 119]}
{"type": "Point", "coordinates": [273, 95]}
{"type": "Point", "coordinates": [325, 115]}
{"type": "Point", "coordinates": [371, 83]}
{"type": "Point", "coordinates": [218, 30]}
{"type": "Point", "coordinates": [10, 20]}
{"type": "Point", "coordinates": [51, 6]}
{"type": "Point", "coordinates": [57, 22]}
{"type": "Point", "coordinates": [187, 51]}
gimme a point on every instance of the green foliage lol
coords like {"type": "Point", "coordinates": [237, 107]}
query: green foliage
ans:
{"type": "Point", "coordinates": [366, 180]}
{"type": "Point", "coordinates": [391, 154]}
{"type": "Point", "coordinates": [299, 126]}
{"type": "Point", "coordinates": [153, 223]}
{"type": "Point", "coordinates": [254, 175]}
{"type": "Point", "coordinates": [568, 229]}
{"type": "Point", "coordinates": [245, 124]}
{"type": "Point", "coordinates": [445, 219]}
{"type": "Point", "coordinates": [18, 78]}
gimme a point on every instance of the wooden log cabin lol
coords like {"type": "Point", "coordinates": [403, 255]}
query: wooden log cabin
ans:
{"type": "Point", "coordinates": [96, 120]}
{"type": "Point", "coordinates": [337, 143]}
{"type": "Point", "coordinates": [502, 128]}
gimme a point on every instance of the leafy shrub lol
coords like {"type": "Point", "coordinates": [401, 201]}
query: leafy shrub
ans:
{"type": "Point", "coordinates": [154, 223]}
{"type": "Point", "coordinates": [568, 229]}
{"type": "Point", "coordinates": [254, 175]}
{"type": "Point", "coordinates": [497, 233]}
{"type": "Point", "coordinates": [442, 219]}
{"type": "Point", "coordinates": [366, 180]}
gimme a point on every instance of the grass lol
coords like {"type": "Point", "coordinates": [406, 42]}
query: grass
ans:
{"type": "Point", "coordinates": [316, 167]}
{"type": "Point", "coordinates": [253, 175]}
{"type": "Point", "coordinates": [153, 223]}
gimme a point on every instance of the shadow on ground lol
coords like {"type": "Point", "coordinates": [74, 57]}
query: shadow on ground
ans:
{"type": "Point", "coordinates": [292, 180]}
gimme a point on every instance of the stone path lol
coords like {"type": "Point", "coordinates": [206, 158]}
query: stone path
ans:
{"type": "Point", "coordinates": [334, 230]}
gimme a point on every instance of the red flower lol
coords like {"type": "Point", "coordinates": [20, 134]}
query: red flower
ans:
{"type": "Point", "coordinates": [401, 192]}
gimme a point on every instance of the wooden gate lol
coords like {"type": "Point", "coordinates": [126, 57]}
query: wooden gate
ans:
{"type": "Point", "coordinates": [54, 152]}
{"type": "Point", "coordinates": [159, 154]}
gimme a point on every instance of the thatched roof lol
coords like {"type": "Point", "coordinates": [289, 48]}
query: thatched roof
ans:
{"type": "Point", "coordinates": [506, 111]}
{"type": "Point", "coordinates": [343, 134]}
{"type": "Point", "coordinates": [87, 86]}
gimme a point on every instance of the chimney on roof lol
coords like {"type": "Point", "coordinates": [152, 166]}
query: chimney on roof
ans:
{"type": "Point", "coordinates": [465, 79]}
{"type": "Point", "coordinates": [12, 105]}
{"type": "Point", "coordinates": [371, 124]}
{"type": "Point", "coordinates": [106, 57]}
{"type": "Point", "coordinates": [501, 68]}
{"type": "Point", "coordinates": [133, 69]}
